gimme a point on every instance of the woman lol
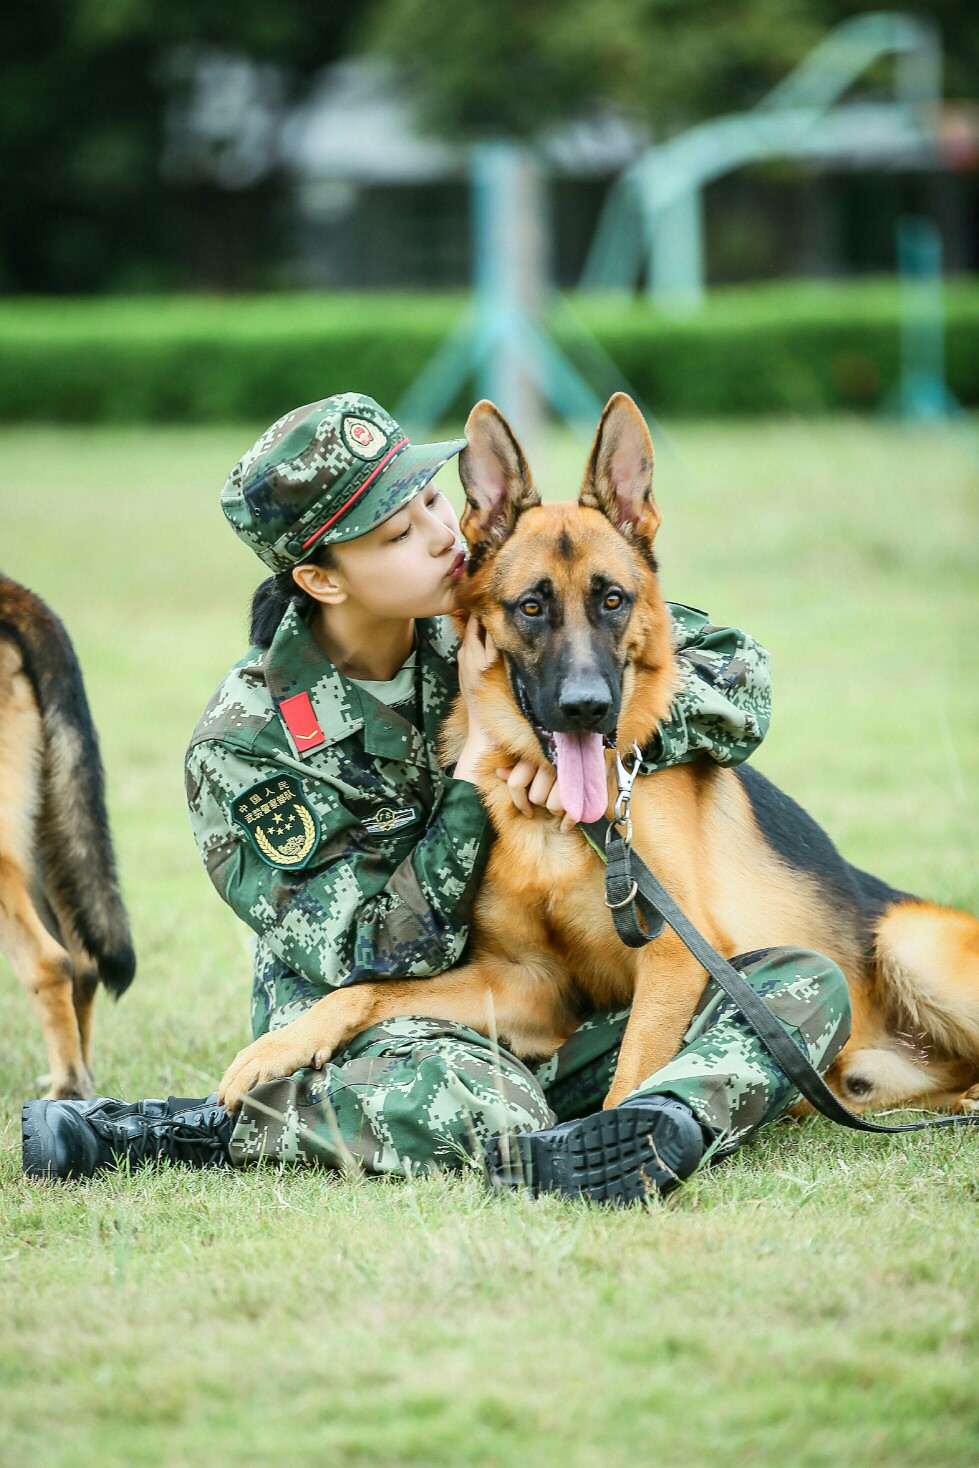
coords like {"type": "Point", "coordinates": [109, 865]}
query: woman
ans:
{"type": "Point", "coordinates": [325, 821]}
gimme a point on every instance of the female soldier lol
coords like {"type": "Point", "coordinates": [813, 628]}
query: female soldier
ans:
{"type": "Point", "coordinates": [325, 821]}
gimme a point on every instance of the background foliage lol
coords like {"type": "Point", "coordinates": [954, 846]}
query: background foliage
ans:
{"type": "Point", "coordinates": [83, 99]}
{"type": "Point", "coordinates": [800, 348]}
{"type": "Point", "coordinates": [518, 64]}
{"type": "Point", "coordinates": [84, 204]}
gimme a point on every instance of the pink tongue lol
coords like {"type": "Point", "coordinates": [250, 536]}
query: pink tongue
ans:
{"type": "Point", "coordinates": [581, 780]}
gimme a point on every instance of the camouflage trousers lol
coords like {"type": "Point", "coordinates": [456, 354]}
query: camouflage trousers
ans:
{"type": "Point", "coordinates": [414, 1094]}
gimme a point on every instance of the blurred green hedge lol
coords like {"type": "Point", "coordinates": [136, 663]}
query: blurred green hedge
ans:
{"type": "Point", "coordinates": [787, 347]}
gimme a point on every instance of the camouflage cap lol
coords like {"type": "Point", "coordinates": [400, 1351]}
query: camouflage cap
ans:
{"type": "Point", "coordinates": [326, 472]}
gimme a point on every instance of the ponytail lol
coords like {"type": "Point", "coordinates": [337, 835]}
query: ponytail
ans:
{"type": "Point", "coordinates": [273, 597]}
{"type": "Point", "coordinates": [269, 605]}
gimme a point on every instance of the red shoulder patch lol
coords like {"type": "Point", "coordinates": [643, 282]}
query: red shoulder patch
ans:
{"type": "Point", "coordinates": [297, 715]}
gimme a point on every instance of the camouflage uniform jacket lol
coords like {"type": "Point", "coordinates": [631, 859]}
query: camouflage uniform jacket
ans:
{"type": "Point", "coordinates": [326, 823]}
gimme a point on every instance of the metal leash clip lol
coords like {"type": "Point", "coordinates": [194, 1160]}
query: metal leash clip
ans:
{"type": "Point", "coordinates": [625, 778]}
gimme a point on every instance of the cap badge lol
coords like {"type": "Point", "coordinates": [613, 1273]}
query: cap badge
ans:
{"type": "Point", "coordinates": [364, 439]}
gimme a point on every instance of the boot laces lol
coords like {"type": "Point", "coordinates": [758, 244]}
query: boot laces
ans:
{"type": "Point", "coordinates": [159, 1136]}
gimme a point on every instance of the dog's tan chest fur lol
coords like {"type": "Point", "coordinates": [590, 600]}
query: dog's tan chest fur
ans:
{"type": "Point", "coordinates": [559, 919]}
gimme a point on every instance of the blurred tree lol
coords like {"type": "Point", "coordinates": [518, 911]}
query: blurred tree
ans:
{"type": "Point", "coordinates": [84, 92]}
{"type": "Point", "coordinates": [124, 166]}
{"type": "Point", "coordinates": [514, 66]}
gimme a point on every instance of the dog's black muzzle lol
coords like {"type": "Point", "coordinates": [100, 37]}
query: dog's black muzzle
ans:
{"type": "Point", "coordinates": [581, 704]}
{"type": "Point", "coordinates": [585, 706]}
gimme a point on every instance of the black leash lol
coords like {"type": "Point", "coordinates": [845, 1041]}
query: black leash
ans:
{"type": "Point", "coordinates": [631, 891]}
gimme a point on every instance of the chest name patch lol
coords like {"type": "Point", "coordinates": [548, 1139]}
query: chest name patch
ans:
{"type": "Point", "coordinates": [387, 819]}
{"type": "Point", "coordinates": [279, 821]}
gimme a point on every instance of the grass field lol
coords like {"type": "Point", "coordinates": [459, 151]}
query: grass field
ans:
{"type": "Point", "coordinates": [815, 1301]}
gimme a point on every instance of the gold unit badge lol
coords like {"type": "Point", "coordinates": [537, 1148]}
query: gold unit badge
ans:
{"type": "Point", "coordinates": [279, 821]}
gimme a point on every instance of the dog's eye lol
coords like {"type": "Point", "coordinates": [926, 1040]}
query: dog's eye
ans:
{"type": "Point", "coordinates": [613, 601]}
{"type": "Point", "coordinates": [531, 607]}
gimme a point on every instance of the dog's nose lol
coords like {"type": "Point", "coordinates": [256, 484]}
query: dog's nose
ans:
{"type": "Point", "coordinates": [585, 705]}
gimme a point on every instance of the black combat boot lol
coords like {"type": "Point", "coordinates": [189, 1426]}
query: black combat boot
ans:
{"type": "Point", "coordinates": [630, 1151]}
{"type": "Point", "coordinates": [71, 1139]}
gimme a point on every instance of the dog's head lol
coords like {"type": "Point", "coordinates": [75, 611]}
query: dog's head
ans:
{"type": "Point", "coordinates": [568, 593]}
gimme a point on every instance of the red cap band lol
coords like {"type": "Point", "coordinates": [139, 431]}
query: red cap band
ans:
{"type": "Point", "coordinates": [357, 493]}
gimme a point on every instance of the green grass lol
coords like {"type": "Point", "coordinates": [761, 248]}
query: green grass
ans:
{"type": "Point", "coordinates": [812, 1302]}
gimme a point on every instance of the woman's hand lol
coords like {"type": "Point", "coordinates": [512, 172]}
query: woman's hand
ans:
{"type": "Point", "coordinates": [477, 652]}
{"type": "Point", "coordinates": [531, 785]}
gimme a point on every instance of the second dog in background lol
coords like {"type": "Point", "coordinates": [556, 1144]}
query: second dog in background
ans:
{"type": "Point", "coordinates": [63, 926]}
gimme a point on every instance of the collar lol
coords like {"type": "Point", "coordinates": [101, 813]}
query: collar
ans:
{"type": "Point", "coordinates": [295, 664]}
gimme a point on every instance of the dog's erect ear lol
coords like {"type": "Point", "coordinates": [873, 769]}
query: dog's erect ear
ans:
{"type": "Point", "coordinates": [495, 475]}
{"type": "Point", "coordinates": [619, 477]}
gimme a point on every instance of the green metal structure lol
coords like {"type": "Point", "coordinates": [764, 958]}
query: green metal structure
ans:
{"type": "Point", "coordinates": [501, 344]}
{"type": "Point", "coordinates": [652, 224]}
{"type": "Point", "coordinates": [652, 229]}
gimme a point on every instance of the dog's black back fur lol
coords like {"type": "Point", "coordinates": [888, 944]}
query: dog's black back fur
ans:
{"type": "Point", "coordinates": [801, 843]}
{"type": "Point", "coordinates": [75, 856]}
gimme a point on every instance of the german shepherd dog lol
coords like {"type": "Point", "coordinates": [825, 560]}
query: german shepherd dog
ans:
{"type": "Point", "coordinates": [569, 594]}
{"type": "Point", "coordinates": [62, 923]}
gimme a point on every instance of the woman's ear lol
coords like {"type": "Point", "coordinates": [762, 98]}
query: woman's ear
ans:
{"type": "Point", "coordinates": [323, 583]}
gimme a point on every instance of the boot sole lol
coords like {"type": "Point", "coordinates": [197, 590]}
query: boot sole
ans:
{"type": "Point", "coordinates": [617, 1156]}
{"type": "Point", "coordinates": [37, 1141]}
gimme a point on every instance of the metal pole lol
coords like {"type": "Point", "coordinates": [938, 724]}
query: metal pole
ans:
{"type": "Point", "coordinates": [923, 394]}
{"type": "Point", "coordinates": [508, 208]}
{"type": "Point", "coordinates": [675, 272]}
{"type": "Point", "coordinates": [503, 342]}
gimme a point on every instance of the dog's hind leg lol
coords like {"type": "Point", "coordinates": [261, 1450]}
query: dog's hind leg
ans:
{"type": "Point", "coordinates": [84, 971]}
{"type": "Point", "coordinates": [84, 983]}
{"type": "Point", "coordinates": [916, 1027]}
{"type": "Point", "coordinates": [44, 969]}
{"type": "Point", "coordinates": [36, 957]}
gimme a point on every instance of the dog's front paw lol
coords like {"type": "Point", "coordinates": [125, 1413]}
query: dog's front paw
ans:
{"type": "Point", "coordinates": [268, 1059]}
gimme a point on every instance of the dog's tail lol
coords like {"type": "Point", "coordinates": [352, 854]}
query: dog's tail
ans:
{"type": "Point", "coordinates": [928, 964]}
{"type": "Point", "coordinates": [76, 847]}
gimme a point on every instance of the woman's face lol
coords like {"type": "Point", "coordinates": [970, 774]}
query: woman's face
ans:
{"type": "Point", "coordinates": [410, 564]}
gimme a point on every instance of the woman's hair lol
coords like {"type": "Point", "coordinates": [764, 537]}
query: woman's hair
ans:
{"type": "Point", "coordinates": [272, 598]}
